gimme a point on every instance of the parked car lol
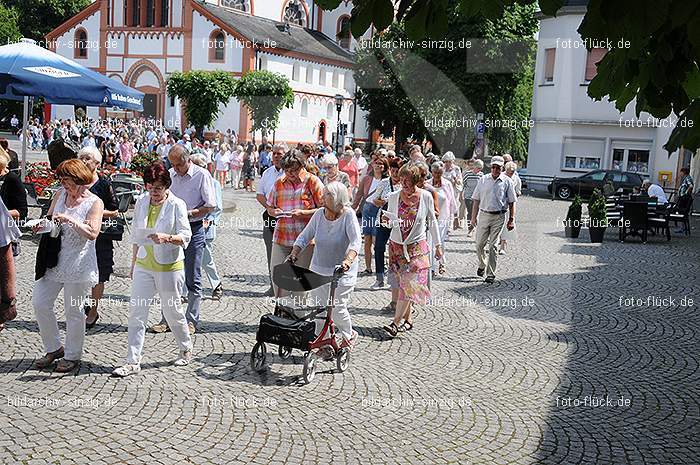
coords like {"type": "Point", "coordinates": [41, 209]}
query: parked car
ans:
{"type": "Point", "coordinates": [565, 188]}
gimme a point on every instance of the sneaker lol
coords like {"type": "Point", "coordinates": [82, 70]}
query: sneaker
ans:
{"type": "Point", "coordinates": [390, 308]}
{"type": "Point", "coordinates": [366, 273]}
{"type": "Point", "coordinates": [217, 293]}
{"type": "Point", "coordinates": [184, 359]}
{"type": "Point", "coordinates": [192, 328]}
{"type": "Point", "coordinates": [502, 252]}
{"type": "Point", "coordinates": [126, 370]}
{"type": "Point", "coordinates": [480, 271]}
{"type": "Point", "coordinates": [490, 279]}
{"type": "Point", "coordinates": [159, 328]}
{"type": "Point", "coordinates": [378, 285]}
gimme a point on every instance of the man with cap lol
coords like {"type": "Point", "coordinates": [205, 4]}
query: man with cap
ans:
{"type": "Point", "coordinates": [493, 196]}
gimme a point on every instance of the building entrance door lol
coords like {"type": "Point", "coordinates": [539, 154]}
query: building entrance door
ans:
{"type": "Point", "coordinates": [150, 105]}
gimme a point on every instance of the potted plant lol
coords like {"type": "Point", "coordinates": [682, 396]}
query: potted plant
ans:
{"type": "Point", "coordinates": [572, 224]}
{"type": "Point", "coordinates": [597, 217]}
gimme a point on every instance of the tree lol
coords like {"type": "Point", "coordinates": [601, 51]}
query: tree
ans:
{"type": "Point", "coordinates": [39, 17]}
{"type": "Point", "coordinates": [9, 31]}
{"type": "Point", "coordinates": [265, 94]}
{"type": "Point", "coordinates": [202, 92]}
{"type": "Point", "coordinates": [434, 90]}
{"type": "Point", "coordinates": [654, 55]}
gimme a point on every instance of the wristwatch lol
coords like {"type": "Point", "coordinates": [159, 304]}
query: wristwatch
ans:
{"type": "Point", "coordinates": [5, 304]}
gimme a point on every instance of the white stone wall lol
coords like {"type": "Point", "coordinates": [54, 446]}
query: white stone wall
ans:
{"type": "Point", "coordinates": [65, 44]}
{"type": "Point", "coordinates": [562, 109]}
{"type": "Point", "coordinates": [201, 31]}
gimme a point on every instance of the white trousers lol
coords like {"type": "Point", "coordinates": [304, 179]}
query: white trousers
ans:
{"type": "Point", "coordinates": [340, 315]}
{"type": "Point", "coordinates": [235, 176]}
{"type": "Point", "coordinates": [145, 285]}
{"type": "Point", "coordinates": [43, 299]}
{"type": "Point", "coordinates": [444, 229]}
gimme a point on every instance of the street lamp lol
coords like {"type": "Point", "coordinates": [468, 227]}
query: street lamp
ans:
{"type": "Point", "coordinates": [338, 106]}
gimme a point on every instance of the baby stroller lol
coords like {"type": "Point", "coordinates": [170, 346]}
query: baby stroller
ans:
{"type": "Point", "coordinates": [289, 331]}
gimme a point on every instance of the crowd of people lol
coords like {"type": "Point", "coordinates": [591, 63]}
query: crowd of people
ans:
{"type": "Point", "coordinates": [320, 209]}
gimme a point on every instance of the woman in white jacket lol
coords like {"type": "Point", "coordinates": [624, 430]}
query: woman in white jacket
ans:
{"type": "Point", "coordinates": [411, 212]}
{"type": "Point", "coordinates": [157, 266]}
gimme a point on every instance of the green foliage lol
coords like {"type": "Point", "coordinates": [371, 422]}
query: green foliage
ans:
{"type": "Point", "coordinates": [574, 212]}
{"type": "Point", "coordinates": [203, 92]}
{"type": "Point", "coordinates": [39, 17]}
{"type": "Point", "coordinates": [265, 94]}
{"type": "Point", "coordinates": [412, 89]}
{"type": "Point", "coordinates": [596, 207]}
{"type": "Point", "coordinates": [143, 160]}
{"type": "Point", "coordinates": [9, 30]}
{"type": "Point", "coordinates": [654, 56]}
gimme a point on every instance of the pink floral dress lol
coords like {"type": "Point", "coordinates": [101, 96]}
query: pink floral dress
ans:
{"type": "Point", "coordinates": [410, 276]}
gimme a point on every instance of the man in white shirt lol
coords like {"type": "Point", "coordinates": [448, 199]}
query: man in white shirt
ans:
{"type": "Point", "coordinates": [267, 183]}
{"type": "Point", "coordinates": [195, 186]}
{"type": "Point", "coordinates": [493, 196]}
{"type": "Point", "coordinates": [654, 190]}
{"type": "Point", "coordinates": [8, 234]}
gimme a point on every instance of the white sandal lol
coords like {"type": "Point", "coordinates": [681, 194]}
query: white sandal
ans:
{"type": "Point", "coordinates": [126, 370]}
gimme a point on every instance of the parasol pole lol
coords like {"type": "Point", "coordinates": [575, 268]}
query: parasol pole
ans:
{"type": "Point", "coordinates": [25, 125]}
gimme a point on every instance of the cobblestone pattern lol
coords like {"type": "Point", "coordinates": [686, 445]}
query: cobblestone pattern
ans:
{"type": "Point", "coordinates": [486, 377]}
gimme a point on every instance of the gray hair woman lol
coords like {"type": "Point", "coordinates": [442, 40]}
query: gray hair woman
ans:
{"type": "Point", "coordinates": [453, 173]}
{"type": "Point", "coordinates": [336, 233]}
{"type": "Point", "coordinates": [333, 174]}
{"type": "Point", "coordinates": [447, 206]}
{"type": "Point", "coordinates": [104, 246]}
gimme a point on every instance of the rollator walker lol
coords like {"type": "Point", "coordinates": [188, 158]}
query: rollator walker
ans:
{"type": "Point", "coordinates": [289, 331]}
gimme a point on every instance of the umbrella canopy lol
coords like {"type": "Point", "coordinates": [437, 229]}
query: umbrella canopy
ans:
{"type": "Point", "coordinates": [29, 70]}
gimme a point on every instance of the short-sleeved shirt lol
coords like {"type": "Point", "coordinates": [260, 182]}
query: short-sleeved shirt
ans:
{"type": "Point", "coordinates": [267, 180]}
{"type": "Point", "coordinates": [349, 168]}
{"type": "Point", "coordinates": [285, 195]}
{"type": "Point", "coordinates": [494, 195]}
{"type": "Point", "coordinates": [195, 188]}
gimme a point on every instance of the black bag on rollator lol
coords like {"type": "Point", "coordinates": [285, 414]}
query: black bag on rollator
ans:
{"type": "Point", "coordinates": [296, 334]}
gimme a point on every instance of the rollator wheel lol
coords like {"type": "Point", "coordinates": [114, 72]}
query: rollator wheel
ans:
{"type": "Point", "coordinates": [309, 367]}
{"type": "Point", "coordinates": [258, 357]}
{"type": "Point", "coordinates": [284, 352]}
{"type": "Point", "coordinates": [342, 359]}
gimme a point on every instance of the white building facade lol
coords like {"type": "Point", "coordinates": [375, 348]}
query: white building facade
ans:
{"type": "Point", "coordinates": [142, 42]}
{"type": "Point", "coordinates": [572, 133]}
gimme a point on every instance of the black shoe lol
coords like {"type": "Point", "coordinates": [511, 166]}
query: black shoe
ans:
{"type": "Point", "coordinates": [217, 293]}
{"type": "Point", "coordinates": [490, 279]}
{"type": "Point", "coordinates": [480, 271]}
{"type": "Point", "coordinates": [86, 309]}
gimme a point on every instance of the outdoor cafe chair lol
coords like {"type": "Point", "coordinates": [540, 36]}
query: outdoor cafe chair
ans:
{"type": "Point", "coordinates": [635, 220]}
{"type": "Point", "coordinates": [680, 212]}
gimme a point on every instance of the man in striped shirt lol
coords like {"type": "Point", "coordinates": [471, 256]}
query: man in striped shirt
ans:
{"type": "Point", "coordinates": [470, 179]}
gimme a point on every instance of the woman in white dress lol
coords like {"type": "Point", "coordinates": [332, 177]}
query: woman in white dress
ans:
{"type": "Point", "coordinates": [78, 214]}
{"type": "Point", "coordinates": [507, 235]}
{"type": "Point", "coordinates": [223, 162]}
{"type": "Point", "coordinates": [447, 205]}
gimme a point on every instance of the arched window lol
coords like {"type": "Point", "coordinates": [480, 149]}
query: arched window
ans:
{"type": "Point", "coordinates": [309, 74]}
{"type": "Point", "coordinates": [217, 47]}
{"type": "Point", "coordinates": [80, 49]}
{"type": "Point", "coordinates": [351, 113]}
{"type": "Point", "coordinates": [330, 108]}
{"type": "Point", "coordinates": [296, 72]}
{"type": "Point", "coordinates": [304, 108]}
{"type": "Point", "coordinates": [262, 62]}
{"type": "Point", "coordinates": [348, 84]}
{"type": "Point", "coordinates": [322, 77]}
{"type": "Point", "coordinates": [243, 5]}
{"type": "Point", "coordinates": [295, 13]}
{"type": "Point", "coordinates": [336, 79]}
{"type": "Point", "coordinates": [343, 32]}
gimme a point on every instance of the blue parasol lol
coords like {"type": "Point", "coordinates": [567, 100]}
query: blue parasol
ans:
{"type": "Point", "coordinates": [27, 70]}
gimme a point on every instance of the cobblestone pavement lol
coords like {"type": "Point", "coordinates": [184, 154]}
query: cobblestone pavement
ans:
{"type": "Point", "coordinates": [492, 374]}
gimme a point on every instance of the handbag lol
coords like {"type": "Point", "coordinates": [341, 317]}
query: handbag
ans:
{"type": "Point", "coordinates": [47, 254]}
{"type": "Point", "coordinates": [113, 229]}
